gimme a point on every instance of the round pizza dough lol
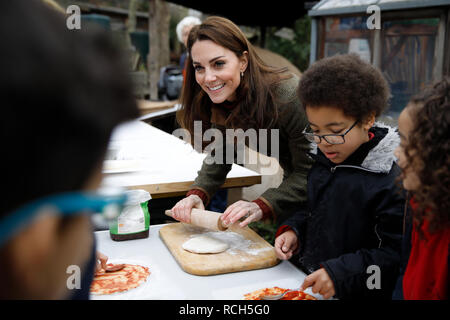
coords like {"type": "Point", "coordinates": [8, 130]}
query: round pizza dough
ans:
{"type": "Point", "coordinates": [204, 244]}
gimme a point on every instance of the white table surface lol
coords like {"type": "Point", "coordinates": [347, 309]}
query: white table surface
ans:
{"type": "Point", "coordinates": [157, 114]}
{"type": "Point", "coordinates": [165, 159]}
{"type": "Point", "coordinates": [169, 282]}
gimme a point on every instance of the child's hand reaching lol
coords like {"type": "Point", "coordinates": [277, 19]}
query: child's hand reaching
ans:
{"type": "Point", "coordinates": [320, 282]}
{"type": "Point", "coordinates": [285, 245]}
{"type": "Point", "coordinates": [101, 262]}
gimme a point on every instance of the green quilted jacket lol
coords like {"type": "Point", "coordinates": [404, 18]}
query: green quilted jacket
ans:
{"type": "Point", "coordinates": [293, 158]}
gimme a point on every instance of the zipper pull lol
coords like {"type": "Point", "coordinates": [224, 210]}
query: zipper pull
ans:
{"type": "Point", "coordinates": [333, 169]}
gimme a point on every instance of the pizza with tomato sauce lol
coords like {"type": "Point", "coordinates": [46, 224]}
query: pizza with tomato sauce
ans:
{"type": "Point", "coordinates": [130, 277]}
{"type": "Point", "coordinates": [292, 295]}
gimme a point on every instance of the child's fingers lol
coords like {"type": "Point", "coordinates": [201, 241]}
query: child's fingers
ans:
{"type": "Point", "coordinates": [279, 249]}
{"type": "Point", "coordinates": [327, 290]}
{"type": "Point", "coordinates": [283, 255]}
{"type": "Point", "coordinates": [278, 244]}
{"type": "Point", "coordinates": [279, 241]}
{"type": "Point", "coordinates": [280, 254]}
{"type": "Point", "coordinates": [101, 261]}
{"type": "Point", "coordinates": [308, 282]}
{"type": "Point", "coordinates": [288, 245]}
{"type": "Point", "coordinates": [327, 294]}
{"type": "Point", "coordinates": [285, 246]}
{"type": "Point", "coordinates": [317, 286]}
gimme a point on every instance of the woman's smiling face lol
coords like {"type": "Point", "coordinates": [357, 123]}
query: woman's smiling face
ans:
{"type": "Point", "coordinates": [217, 70]}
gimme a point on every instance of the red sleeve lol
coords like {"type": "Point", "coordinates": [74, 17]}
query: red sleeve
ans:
{"type": "Point", "coordinates": [282, 230]}
{"type": "Point", "coordinates": [199, 193]}
{"type": "Point", "coordinates": [267, 211]}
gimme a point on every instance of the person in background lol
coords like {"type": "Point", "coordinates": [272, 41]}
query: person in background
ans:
{"type": "Point", "coordinates": [353, 218]}
{"type": "Point", "coordinates": [183, 29]}
{"type": "Point", "coordinates": [424, 157]}
{"type": "Point", "coordinates": [62, 93]}
{"type": "Point", "coordinates": [229, 87]}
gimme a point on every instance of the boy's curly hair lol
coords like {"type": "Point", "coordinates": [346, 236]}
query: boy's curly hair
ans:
{"type": "Point", "coordinates": [428, 152]}
{"type": "Point", "coordinates": [346, 82]}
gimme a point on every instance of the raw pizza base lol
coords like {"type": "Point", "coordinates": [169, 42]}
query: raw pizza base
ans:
{"type": "Point", "coordinates": [130, 277]}
{"type": "Point", "coordinates": [204, 244]}
{"type": "Point", "coordinates": [293, 295]}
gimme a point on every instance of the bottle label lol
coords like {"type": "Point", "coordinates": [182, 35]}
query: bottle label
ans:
{"type": "Point", "coordinates": [133, 219]}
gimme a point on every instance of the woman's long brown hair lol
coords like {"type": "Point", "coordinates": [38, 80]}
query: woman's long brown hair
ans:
{"type": "Point", "coordinates": [428, 153]}
{"type": "Point", "coordinates": [256, 107]}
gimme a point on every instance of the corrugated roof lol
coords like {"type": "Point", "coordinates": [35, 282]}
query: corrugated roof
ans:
{"type": "Point", "coordinates": [332, 7]}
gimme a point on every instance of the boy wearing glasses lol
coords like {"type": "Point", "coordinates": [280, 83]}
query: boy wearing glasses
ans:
{"type": "Point", "coordinates": [348, 236]}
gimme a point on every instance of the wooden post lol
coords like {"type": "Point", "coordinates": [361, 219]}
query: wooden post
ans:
{"type": "Point", "coordinates": [159, 52]}
{"type": "Point", "coordinates": [377, 47]}
{"type": "Point", "coordinates": [447, 46]}
{"type": "Point", "coordinates": [439, 49]}
{"type": "Point", "coordinates": [131, 23]}
{"type": "Point", "coordinates": [153, 55]}
{"type": "Point", "coordinates": [262, 40]}
{"type": "Point", "coordinates": [164, 26]}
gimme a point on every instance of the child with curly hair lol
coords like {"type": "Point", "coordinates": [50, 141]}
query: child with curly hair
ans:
{"type": "Point", "coordinates": [424, 127]}
{"type": "Point", "coordinates": [352, 224]}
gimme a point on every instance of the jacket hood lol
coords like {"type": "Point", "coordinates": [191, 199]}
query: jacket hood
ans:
{"type": "Point", "coordinates": [381, 157]}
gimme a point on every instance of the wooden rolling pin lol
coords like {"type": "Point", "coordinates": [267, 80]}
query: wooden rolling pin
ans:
{"type": "Point", "coordinates": [204, 218]}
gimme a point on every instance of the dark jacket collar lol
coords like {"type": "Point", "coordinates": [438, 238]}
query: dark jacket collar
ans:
{"type": "Point", "coordinates": [221, 111]}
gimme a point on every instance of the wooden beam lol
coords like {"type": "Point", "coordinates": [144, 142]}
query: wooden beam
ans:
{"type": "Point", "coordinates": [439, 49]}
{"type": "Point", "coordinates": [159, 19]}
{"type": "Point", "coordinates": [447, 47]}
{"type": "Point", "coordinates": [146, 106]}
{"type": "Point", "coordinates": [180, 188]}
{"type": "Point", "coordinates": [376, 49]}
{"type": "Point", "coordinates": [153, 55]}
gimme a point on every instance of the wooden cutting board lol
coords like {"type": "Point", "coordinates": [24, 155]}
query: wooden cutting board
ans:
{"type": "Point", "coordinates": [252, 253]}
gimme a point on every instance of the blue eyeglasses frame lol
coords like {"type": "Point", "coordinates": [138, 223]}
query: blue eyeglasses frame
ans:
{"type": "Point", "coordinates": [64, 204]}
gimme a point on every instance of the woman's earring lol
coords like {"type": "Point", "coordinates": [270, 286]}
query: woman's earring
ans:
{"type": "Point", "coordinates": [242, 74]}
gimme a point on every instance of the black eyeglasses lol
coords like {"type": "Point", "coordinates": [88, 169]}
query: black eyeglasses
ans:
{"type": "Point", "coordinates": [330, 138]}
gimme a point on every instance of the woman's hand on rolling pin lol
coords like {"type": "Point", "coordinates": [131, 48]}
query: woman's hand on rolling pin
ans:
{"type": "Point", "coordinates": [182, 210]}
{"type": "Point", "coordinates": [250, 210]}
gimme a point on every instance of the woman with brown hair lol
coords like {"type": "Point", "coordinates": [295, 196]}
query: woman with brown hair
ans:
{"type": "Point", "coordinates": [423, 156]}
{"type": "Point", "coordinates": [229, 87]}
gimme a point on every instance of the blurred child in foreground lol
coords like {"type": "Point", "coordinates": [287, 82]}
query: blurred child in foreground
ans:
{"type": "Point", "coordinates": [63, 92]}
